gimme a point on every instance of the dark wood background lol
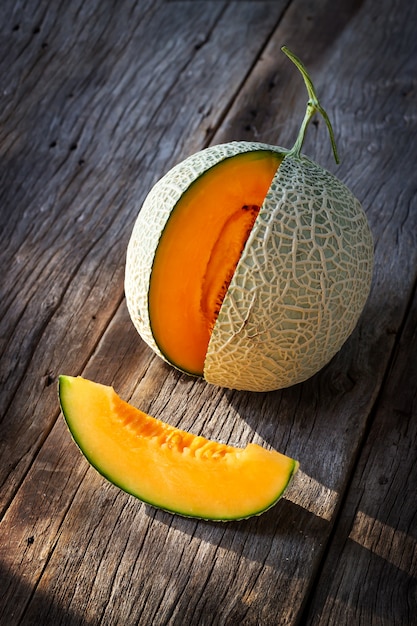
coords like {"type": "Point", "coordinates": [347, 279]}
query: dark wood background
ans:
{"type": "Point", "coordinates": [98, 99]}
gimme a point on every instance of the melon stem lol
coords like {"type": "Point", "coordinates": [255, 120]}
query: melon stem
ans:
{"type": "Point", "coordinates": [313, 106]}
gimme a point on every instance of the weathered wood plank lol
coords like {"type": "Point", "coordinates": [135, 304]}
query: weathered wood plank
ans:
{"type": "Point", "coordinates": [97, 119]}
{"type": "Point", "coordinates": [370, 573]}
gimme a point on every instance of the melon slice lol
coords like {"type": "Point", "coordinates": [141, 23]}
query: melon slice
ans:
{"type": "Point", "coordinates": [166, 467]}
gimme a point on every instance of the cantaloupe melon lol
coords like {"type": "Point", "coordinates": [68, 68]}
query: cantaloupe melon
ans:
{"type": "Point", "coordinates": [167, 467]}
{"type": "Point", "coordinates": [249, 264]}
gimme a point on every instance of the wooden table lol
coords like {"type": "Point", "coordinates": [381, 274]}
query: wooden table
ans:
{"type": "Point", "coordinates": [98, 100]}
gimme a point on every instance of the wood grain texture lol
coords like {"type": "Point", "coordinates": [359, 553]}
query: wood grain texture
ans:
{"type": "Point", "coordinates": [99, 100]}
{"type": "Point", "coordinates": [370, 571]}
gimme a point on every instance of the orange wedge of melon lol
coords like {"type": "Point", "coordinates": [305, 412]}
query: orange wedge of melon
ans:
{"type": "Point", "coordinates": [166, 467]}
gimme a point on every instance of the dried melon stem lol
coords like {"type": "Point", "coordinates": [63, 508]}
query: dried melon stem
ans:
{"type": "Point", "coordinates": [313, 107]}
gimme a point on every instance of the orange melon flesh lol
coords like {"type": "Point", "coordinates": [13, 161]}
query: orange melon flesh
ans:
{"type": "Point", "coordinates": [167, 467]}
{"type": "Point", "coordinates": [198, 252]}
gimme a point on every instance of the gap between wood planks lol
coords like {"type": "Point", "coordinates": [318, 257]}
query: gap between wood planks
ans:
{"type": "Point", "coordinates": [213, 130]}
{"type": "Point", "coordinates": [351, 475]}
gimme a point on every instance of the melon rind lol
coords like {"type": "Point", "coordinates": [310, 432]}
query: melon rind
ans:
{"type": "Point", "coordinates": [300, 285]}
{"type": "Point", "coordinates": [151, 222]}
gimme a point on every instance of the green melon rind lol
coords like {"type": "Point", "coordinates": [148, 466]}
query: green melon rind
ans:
{"type": "Point", "coordinates": [64, 388]}
{"type": "Point", "coordinates": [151, 222]}
{"type": "Point", "coordinates": [313, 250]}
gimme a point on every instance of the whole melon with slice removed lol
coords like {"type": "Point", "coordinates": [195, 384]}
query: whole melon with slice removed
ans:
{"type": "Point", "coordinates": [249, 264]}
{"type": "Point", "coordinates": [167, 467]}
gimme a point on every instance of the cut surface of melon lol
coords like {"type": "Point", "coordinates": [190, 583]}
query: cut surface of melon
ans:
{"type": "Point", "coordinates": [198, 252]}
{"type": "Point", "coordinates": [167, 467]}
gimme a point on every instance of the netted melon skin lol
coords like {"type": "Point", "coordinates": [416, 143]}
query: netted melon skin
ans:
{"type": "Point", "coordinates": [151, 221]}
{"type": "Point", "coordinates": [299, 287]}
